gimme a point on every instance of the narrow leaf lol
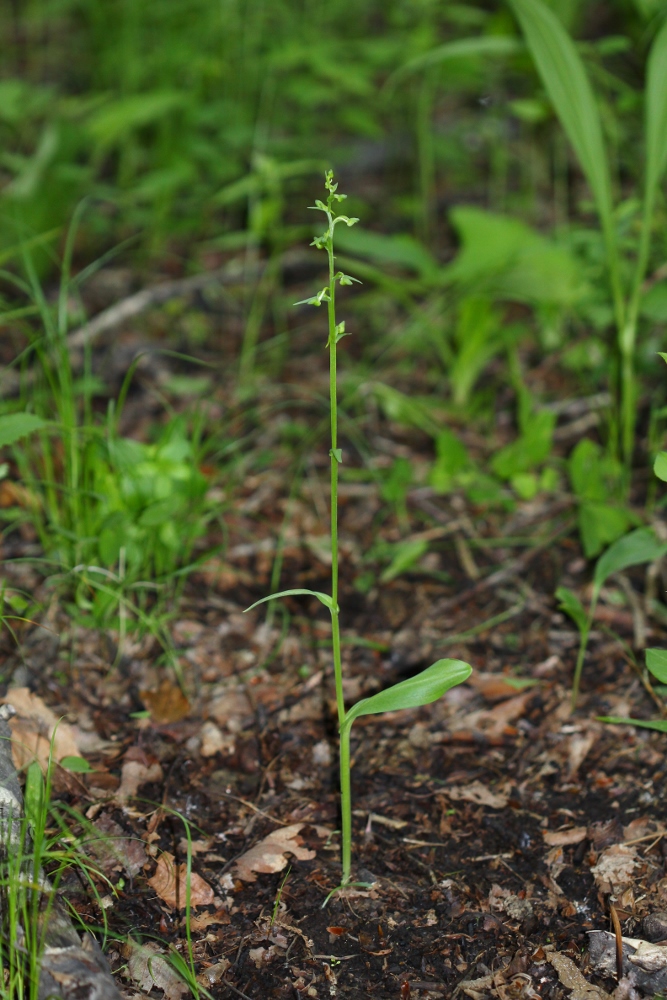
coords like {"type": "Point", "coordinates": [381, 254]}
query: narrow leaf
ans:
{"type": "Point", "coordinates": [324, 598]}
{"type": "Point", "coordinates": [656, 661]}
{"type": "Point", "coordinates": [640, 546]}
{"type": "Point", "coordinates": [422, 689]}
{"type": "Point", "coordinates": [572, 606]}
{"type": "Point", "coordinates": [14, 426]}
{"type": "Point", "coordinates": [656, 113]}
{"type": "Point", "coordinates": [567, 84]}
{"type": "Point", "coordinates": [659, 724]}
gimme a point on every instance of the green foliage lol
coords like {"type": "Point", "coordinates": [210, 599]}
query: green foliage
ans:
{"type": "Point", "coordinates": [597, 482]}
{"type": "Point", "coordinates": [422, 689]}
{"type": "Point", "coordinates": [14, 426]}
{"type": "Point", "coordinates": [509, 259]}
{"type": "Point", "coordinates": [567, 84]}
{"type": "Point", "coordinates": [638, 547]}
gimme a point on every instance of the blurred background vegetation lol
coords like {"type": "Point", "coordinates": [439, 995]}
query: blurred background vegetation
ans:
{"type": "Point", "coordinates": [185, 136]}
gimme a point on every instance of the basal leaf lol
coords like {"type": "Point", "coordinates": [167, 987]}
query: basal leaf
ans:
{"type": "Point", "coordinates": [572, 606]}
{"type": "Point", "coordinates": [324, 598]}
{"type": "Point", "coordinates": [14, 426]}
{"type": "Point", "coordinates": [659, 724]}
{"type": "Point", "coordinates": [405, 556]}
{"type": "Point", "coordinates": [656, 661]}
{"type": "Point", "coordinates": [660, 466]}
{"type": "Point", "coordinates": [78, 765]}
{"type": "Point", "coordinates": [421, 689]}
{"type": "Point", "coordinates": [640, 546]}
{"type": "Point", "coordinates": [567, 84]}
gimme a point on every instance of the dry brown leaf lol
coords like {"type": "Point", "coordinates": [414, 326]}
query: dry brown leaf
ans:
{"type": "Point", "coordinates": [147, 967]}
{"type": "Point", "coordinates": [615, 868]}
{"type": "Point", "coordinates": [479, 794]}
{"type": "Point", "coordinates": [167, 703]}
{"type": "Point", "coordinates": [137, 770]}
{"type": "Point", "coordinates": [494, 722]}
{"type": "Point", "coordinates": [171, 881]}
{"type": "Point", "coordinates": [214, 741]}
{"type": "Point", "coordinates": [113, 849]}
{"type": "Point", "coordinates": [564, 838]}
{"type": "Point", "coordinates": [492, 687]}
{"type": "Point", "coordinates": [36, 731]}
{"type": "Point", "coordinates": [269, 854]}
{"type": "Point", "coordinates": [572, 979]}
{"type": "Point", "coordinates": [200, 921]}
{"type": "Point", "coordinates": [231, 708]}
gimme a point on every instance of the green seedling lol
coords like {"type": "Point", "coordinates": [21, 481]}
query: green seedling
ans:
{"type": "Point", "coordinates": [597, 483]}
{"type": "Point", "coordinates": [640, 546]}
{"type": "Point", "coordinates": [566, 81]}
{"type": "Point", "coordinates": [431, 683]}
{"type": "Point", "coordinates": [656, 663]}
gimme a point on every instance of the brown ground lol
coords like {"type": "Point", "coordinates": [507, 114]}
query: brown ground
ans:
{"type": "Point", "coordinates": [478, 820]}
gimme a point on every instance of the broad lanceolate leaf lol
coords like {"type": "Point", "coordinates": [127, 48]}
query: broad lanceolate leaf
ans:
{"type": "Point", "coordinates": [640, 546]}
{"type": "Point", "coordinates": [572, 606]}
{"type": "Point", "coordinates": [565, 79]}
{"type": "Point", "coordinates": [659, 724]}
{"type": "Point", "coordinates": [14, 426]}
{"type": "Point", "coordinates": [422, 689]}
{"type": "Point", "coordinates": [656, 113]}
{"type": "Point", "coordinates": [660, 466]}
{"type": "Point", "coordinates": [324, 598]}
{"type": "Point", "coordinates": [656, 661]}
{"type": "Point", "coordinates": [78, 765]}
{"type": "Point", "coordinates": [462, 48]}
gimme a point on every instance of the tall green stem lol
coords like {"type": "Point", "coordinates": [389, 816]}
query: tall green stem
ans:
{"type": "Point", "coordinates": [345, 803]}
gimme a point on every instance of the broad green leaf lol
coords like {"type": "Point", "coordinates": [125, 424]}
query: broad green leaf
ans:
{"type": "Point", "coordinates": [419, 690]}
{"type": "Point", "coordinates": [404, 409]}
{"type": "Point", "coordinates": [530, 449]}
{"type": "Point", "coordinates": [113, 121]}
{"type": "Point", "coordinates": [656, 661]}
{"type": "Point", "coordinates": [14, 426]}
{"type": "Point", "coordinates": [567, 84]}
{"type": "Point", "coordinates": [78, 765]}
{"type": "Point", "coordinates": [402, 251]}
{"type": "Point", "coordinates": [659, 724]}
{"type": "Point", "coordinates": [656, 113]}
{"type": "Point", "coordinates": [515, 261]}
{"type": "Point", "coordinates": [572, 606]}
{"type": "Point", "coordinates": [406, 555]}
{"type": "Point", "coordinates": [660, 466]}
{"type": "Point", "coordinates": [324, 598]}
{"type": "Point", "coordinates": [654, 303]}
{"type": "Point", "coordinates": [640, 546]}
{"type": "Point", "coordinates": [462, 48]}
{"type": "Point", "coordinates": [452, 458]}
{"type": "Point", "coordinates": [601, 524]}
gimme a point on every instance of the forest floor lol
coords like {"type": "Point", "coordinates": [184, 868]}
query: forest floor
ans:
{"type": "Point", "coordinates": [492, 825]}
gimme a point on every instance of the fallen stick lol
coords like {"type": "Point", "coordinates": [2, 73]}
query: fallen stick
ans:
{"type": "Point", "coordinates": [70, 966]}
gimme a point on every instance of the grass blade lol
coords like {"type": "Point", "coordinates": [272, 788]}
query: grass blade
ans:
{"type": "Point", "coordinates": [656, 114]}
{"type": "Point", "coordinates": [566, 81]}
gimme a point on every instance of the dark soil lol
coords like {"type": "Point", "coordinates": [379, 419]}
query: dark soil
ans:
{"type": "Point", "coordinates": [478, 820]}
